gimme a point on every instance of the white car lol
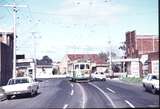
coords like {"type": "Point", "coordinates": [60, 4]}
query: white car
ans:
{"type": "Point", "coordinates": [21, 85]}
{"type": "Point", "coordinates": [151, 82]}
{"type": "Point", "coordinates": [98, 76]}
{"type": "Point", "coordinates": [2, 94]}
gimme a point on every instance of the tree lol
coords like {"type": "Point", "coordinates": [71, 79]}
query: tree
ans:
{"type": "Point", "coordinates": [45, 61]}
{"type": "Point", "coordinates": [112, 54]}
{"type": "Point", "coordinates": [115, 68]}
{"type": "Point", "coordinates": [123, 47]}
{"type": "Point", "coordinates": [103, 56]}
{"type": "Point", "coordinates": [54, 71]}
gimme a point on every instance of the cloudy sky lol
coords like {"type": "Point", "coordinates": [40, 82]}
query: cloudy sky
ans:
{"type": "Point", "coordinates": [58, 27]}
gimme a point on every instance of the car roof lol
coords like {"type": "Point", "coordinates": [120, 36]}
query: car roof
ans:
{"type": "Point", "coordinates": [22, 78]}
{"type": "Point", "coordinates": [154, 74]}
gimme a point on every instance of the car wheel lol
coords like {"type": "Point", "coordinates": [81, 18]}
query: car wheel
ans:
{"type": "Point", "coordinates": [36, 92]}
{"type": "Point", "coordinates": [8, 97]}
{"type": "Point", "coordinates": [145, 88]}
{"type": "Point", "coordinates": [153, 90]}
{"type": "Point", "coordinates": [32, 93]}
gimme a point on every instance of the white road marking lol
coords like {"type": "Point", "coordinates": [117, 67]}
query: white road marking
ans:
{"type": "Point", "coordinates": [84, 97]}
{"type": "Point", "coordinates": [114, 106]}
{"type": "Point", "coordinates": [130, 104]}
{"type": "Point", "coordinates": [72, 92]}
{"type": "Point", "coordinates": [65, 106]}
{"type": "Point", "coordinates": [111, 90]}
{"type": "Point", "coordinates": [71, 84]}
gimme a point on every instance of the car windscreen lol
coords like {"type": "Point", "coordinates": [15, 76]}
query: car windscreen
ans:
{"type": "Point", "coordinates": [76, 66]}
{"type": "Point", "coordinates": [87, 66]}
{"type": "Point", "coordinates": [157, 77]}
{"type": "Point", "coordinates": [22, 81]}
{"type": "Point", "coordinates": [18, 81]}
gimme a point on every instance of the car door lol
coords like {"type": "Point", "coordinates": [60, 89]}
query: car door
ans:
{"type": "Point", "coordinates": [147, 81]}
{"type": "Point", "coordinates": [150, 81]}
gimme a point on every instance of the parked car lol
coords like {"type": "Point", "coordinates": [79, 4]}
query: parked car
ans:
{"type": "Point", "coordinates": [98, 76]}
{"type": "Point", "coordinates": [21, 85]}
{"type": "Point", "coordinates": [151, 82]}
{"type": "Point", "coordinates": [2, 94]}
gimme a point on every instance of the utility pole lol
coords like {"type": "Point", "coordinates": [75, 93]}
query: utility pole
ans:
{"type": "Point", "coordinates": [34, 46]}
{"type": "Point", "coordinates": [110, 59]}
{"type": "Point", "coordinates": [14, 6]}
{"type": "Point", "coordinates": [35, 62]}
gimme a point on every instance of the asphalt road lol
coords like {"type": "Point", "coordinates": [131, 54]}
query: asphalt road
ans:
{"type": "Point", "coordinates": [61, 93]}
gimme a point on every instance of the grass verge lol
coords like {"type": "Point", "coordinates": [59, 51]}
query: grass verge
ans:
{"type": "Point", "coordinates": [133, 80]}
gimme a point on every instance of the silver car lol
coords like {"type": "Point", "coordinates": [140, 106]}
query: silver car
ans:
{"type": "Point", "coordinates": [3, 95]}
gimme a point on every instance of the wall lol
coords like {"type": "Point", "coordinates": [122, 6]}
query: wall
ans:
{"type": "Point", "coordinates": [6, 56]}
{"type": "Point", "coordinates": [155, 66]}
{"type": "Point", "coordinates": [6, 63]}
{"type": "Point", "coordinates": [63, 65]}
{"type": "Point", "coordinates": [147, 44]}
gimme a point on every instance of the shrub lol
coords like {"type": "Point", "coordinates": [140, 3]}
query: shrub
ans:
{"type": "Point", "coordinates": [54, 71]}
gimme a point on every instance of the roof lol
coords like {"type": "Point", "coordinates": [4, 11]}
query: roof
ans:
{"type": "Point", "coordinates": [92, 57]}
{"type": "Point", "coordinates": [44, 66]}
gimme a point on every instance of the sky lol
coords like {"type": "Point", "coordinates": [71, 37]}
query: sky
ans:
{"type": "Point", "coordinates": [59, 27]}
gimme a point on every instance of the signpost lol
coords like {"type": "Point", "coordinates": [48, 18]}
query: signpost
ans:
{"type": "Point", "coordinates": [143, 59]}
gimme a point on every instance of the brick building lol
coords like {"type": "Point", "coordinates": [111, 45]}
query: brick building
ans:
{"type": "Point", "coordinates": [6, 56]}
{"type": "Point", "coordinates": [139, 45]}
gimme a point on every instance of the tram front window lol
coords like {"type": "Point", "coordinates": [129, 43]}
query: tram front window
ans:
{"type": "Point", "coordinates": [82, 66]}
{"type": "Point", "coordinates": [87, 66]}
{"type": "Point", "coordinates": [76, 66]}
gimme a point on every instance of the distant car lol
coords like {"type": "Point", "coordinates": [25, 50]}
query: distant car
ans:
{"type": "Point", "coordinates": [98, 76]}
{"type": "Point", "coordinates": [151, 83]}
{"type": "Point", "coordinates": [68, 75]}
{"type": "Point", "coordinates": [21, 85]}
{"type": "Point", "coordinates": [3, 95]}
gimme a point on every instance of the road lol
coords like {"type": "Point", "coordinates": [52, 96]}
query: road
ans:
{"type": "Point", "coordinates": [61, 93]}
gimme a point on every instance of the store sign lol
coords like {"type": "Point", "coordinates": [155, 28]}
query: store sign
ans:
{"type": "Point", "coordinates": [144, 58]}
{"type": "Point", "coordinates": [145, 67]}
{"type": "Point", "coordinates": [135, 69]}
